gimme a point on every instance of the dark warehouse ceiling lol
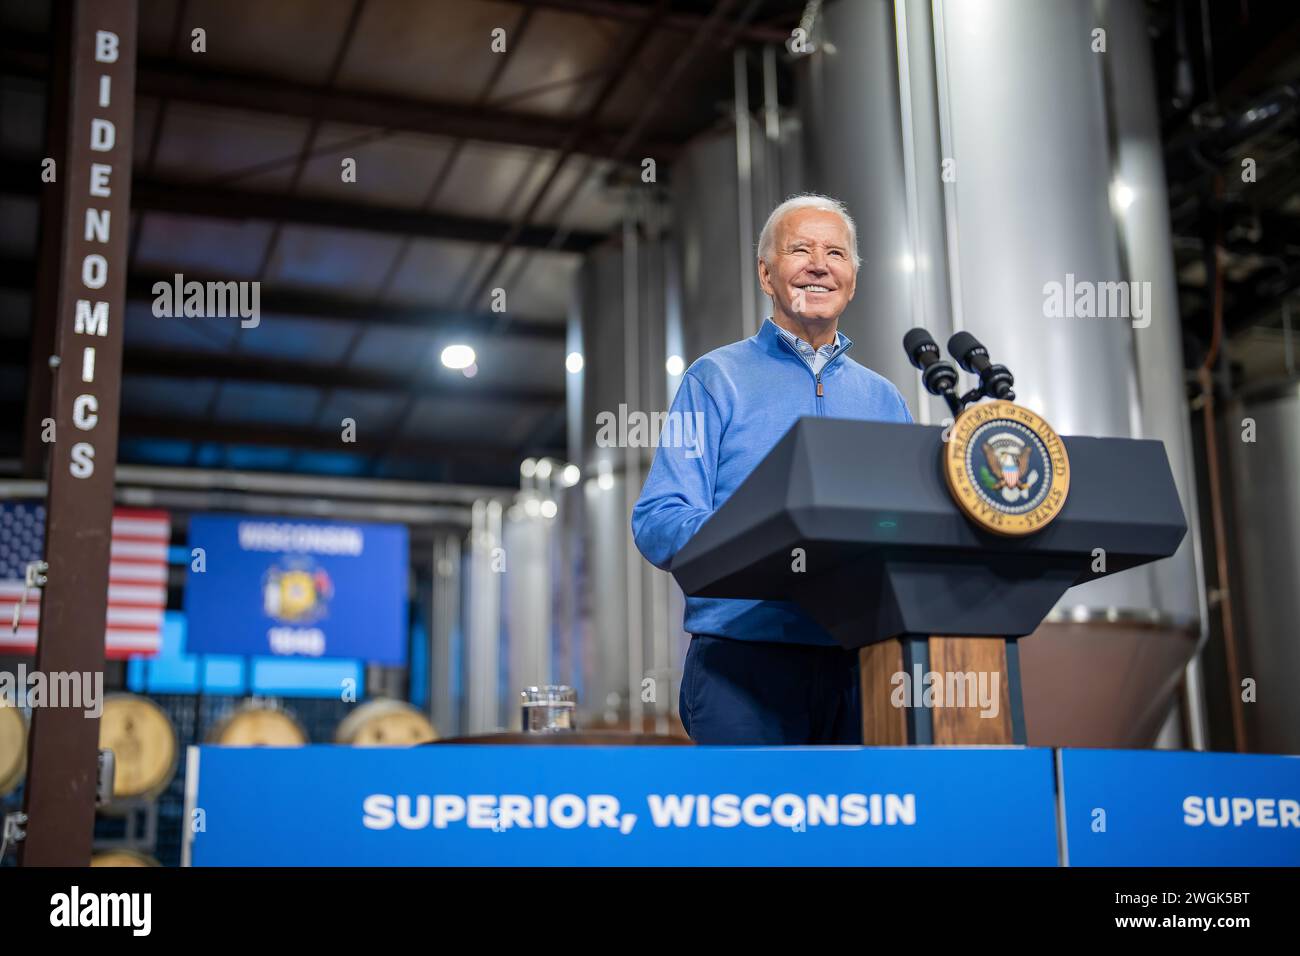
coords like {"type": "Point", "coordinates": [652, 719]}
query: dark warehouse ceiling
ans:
{"type": "Point", "coordinates": [1228, 76]}
{"type": "Point", "coordinates": [476, 170]}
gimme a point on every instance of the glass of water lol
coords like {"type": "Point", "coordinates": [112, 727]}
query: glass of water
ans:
{"type": "Point", "coordinates": [549, 709]}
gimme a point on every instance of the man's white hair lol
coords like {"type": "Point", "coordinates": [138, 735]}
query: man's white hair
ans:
{"type": "Point", "coordinates": [767, 238]}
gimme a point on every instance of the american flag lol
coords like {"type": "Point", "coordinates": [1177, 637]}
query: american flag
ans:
{"type": "Point", "coordinates": [137, 578]}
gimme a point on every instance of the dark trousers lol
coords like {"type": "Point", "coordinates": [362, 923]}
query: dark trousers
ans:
{"type": "Point", "coordinates": [751, 692]}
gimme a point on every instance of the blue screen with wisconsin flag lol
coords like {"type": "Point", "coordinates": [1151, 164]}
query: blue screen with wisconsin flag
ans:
{"type": "Point", "coordinates": [295, 588]}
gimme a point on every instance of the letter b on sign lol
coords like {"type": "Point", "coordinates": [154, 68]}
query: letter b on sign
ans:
{"type": "Point", "coordinates": [105, 47]}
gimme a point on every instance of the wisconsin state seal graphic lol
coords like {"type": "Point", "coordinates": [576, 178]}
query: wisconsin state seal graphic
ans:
{"type": "Point", "coordinates": [1006, 468]}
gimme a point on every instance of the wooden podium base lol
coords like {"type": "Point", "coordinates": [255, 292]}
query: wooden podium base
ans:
{"type": "Point", "coordinates": [973, 696]}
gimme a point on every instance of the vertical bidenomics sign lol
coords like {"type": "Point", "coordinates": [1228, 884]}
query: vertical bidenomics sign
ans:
{"type": "Point", "coordinates": [96, 174]}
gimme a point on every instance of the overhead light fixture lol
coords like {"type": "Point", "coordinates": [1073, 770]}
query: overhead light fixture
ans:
{"type": "Point", "coordinates": [675, 365]}
{"type": "Point", "coordinates": [549, 509]}
{"type": "Point", "coordinates": [528, 467]}
{"type": "Point", "coordinates": [573, 363]}
{"type": "Point", "coordinates": [544, 469]}
{"type": "Point", "coordinates": [1122, 195]}
{"type": "Point", "coordinates": [571, 475]}
{"type": "Point", "coordinates": [458, 357]}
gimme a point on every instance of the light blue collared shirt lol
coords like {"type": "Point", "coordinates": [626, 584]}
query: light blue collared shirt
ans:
{"type": "Point", "coordinates": [743, 398]}
{"type": "Point", "coordinates": [816, 359]}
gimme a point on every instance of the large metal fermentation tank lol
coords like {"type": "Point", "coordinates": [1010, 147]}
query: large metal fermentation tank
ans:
{"type": "Point", "coordinates": [1010, 100]}
{"type": "Point", "coordinates": [528, 625]}
{"type": "Point", "coordinates": [481, 615]}
{"type": "Point", "coordinates": [714, 191]}
{"type": "Point", "coordinates": [1266, 509]}
{"type": "Point", "coordinates": [854, 123]}
{"type": "Point", "coordinates": [624, 295]}
{"type": "Point", "coordinates": [505, 603]}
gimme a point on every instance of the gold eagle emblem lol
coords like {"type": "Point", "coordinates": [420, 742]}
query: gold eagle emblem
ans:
{"type": "Point", "coordinates": [993, 474]}
{"type": "Point", "coordinates": [1006, 467]}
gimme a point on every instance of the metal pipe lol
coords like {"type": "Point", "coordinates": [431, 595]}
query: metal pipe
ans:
{"type": "Point", "coordinates": [908, 137]}
{"type": "Point", "coordinates": [1206, 378]}
{"type": "Point", "coordinates": [744, 190]}
{"type": "Point", "coordinates": [632, 466]}
{"type": "Point", "coordinates": [182, 500]}
{"type": "Point", "coordinates": [943, 99]}
{"type": "Point", "coordinates": [771, 129]}
{"type": "Point", "coordinates": [444, 615]}
{"type": "Point", "coordinates": [1289, 356]}
{"type": "Point", "coordinates": [659, 616]}
{"type": "Point", "coordinates": [1198, 720]}
{"type": "Point", "coordinates": [299, 485]}
{"type": "Point", "coordinates": [483, 650]}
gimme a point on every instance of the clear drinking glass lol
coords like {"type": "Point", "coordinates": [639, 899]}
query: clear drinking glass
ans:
{"type": "Point", "coordinates": [549, 709]}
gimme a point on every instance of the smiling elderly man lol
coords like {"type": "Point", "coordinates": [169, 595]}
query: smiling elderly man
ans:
{"type": "Point", "coordinates": [763, 672]}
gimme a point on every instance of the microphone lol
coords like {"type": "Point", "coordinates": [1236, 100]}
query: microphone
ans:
{"type": "Point", "coordinates": [995, 380]}
{"type": "Point", "coordinates": [937, 375]}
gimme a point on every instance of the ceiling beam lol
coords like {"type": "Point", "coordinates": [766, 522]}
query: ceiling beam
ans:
{"type": "Point", "coordinates": [308, 439]}
{"type": "Point", "coordinates": [133, 426]}
{"type": "Point", "coordinates": [241, 367]}
{"type": "Point", "coordinates": [223, 202]}
{"type": "Point", "coordinates": [678, 22]}
{"type": "Point", "coordinates": [192, 364]}
{"type": "Point", "coordinates": [18, 274]}
{"type": "Point", "coordinates": [19, 177]}
{"type": "Point", "coordinates": [25, 54]}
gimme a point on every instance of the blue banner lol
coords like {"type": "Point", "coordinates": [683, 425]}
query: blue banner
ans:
{"type": "Point", "coordinates": [1174, 808]}
{"type": "Point", "coordinates": [288, 588]}
{"type": "Point", "coordinates": [466, 805]}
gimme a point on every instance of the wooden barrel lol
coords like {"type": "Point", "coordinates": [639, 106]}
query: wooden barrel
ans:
{"type": "Point", "coordinates": [385, 723]}
{"type": "Point", "coordinates": [143, 741]}
{"type": "Point", "coordinates": [122, 858]}
{"type": "Point", "coordinates": [260, 724]}
{"type": "Point", "coordinates": [13, 747]}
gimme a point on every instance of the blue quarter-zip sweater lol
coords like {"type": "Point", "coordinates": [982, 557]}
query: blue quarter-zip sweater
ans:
{"type": "Point", "coordinates": [733, 406]}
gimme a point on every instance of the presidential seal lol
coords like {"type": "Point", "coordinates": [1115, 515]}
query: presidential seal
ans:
{"type": "Point", "coordinates": [1006, 468]}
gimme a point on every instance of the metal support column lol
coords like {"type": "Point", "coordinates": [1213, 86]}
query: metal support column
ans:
{"type": "Point", "coordinates": [444, 625]}
{"type": "Point", "coordinates": [96, 170]}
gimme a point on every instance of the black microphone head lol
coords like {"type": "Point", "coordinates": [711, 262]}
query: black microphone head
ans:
{"type": "Point", "coordinates": [961, 345]}
{"type": "Point", "coordinates": [917, 341]}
